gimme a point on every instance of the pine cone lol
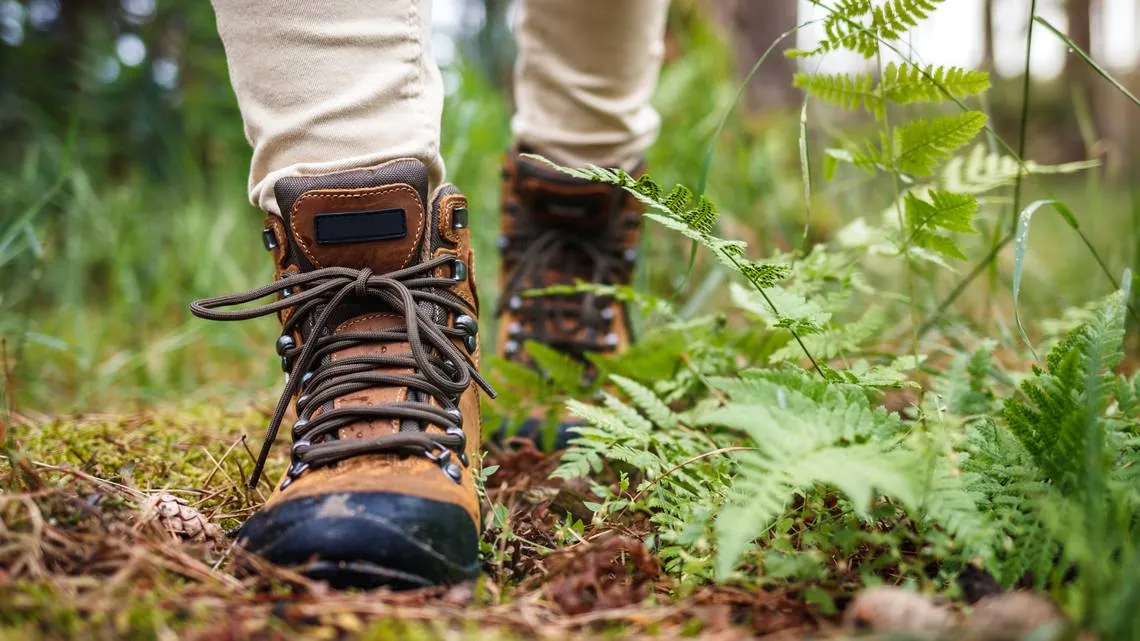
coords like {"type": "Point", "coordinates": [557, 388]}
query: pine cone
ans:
{"type": "Point", "coordinates": [1015, 616]}
{"type": "Point", "coordinates": [893, 610]}
{"type": "Point", "coordinates": [182, 520]}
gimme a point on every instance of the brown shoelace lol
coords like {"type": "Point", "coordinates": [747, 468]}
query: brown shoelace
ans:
{"type": "Point", "coordinates": [558, 321]}
{"type": "Point", "coordinates": [440, 369]}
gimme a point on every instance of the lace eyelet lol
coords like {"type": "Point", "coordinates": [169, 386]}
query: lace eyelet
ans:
{"type": "Point", "coordinates": [295, 470]}
{"type": "Point", "coordinates": [630, 255]}
{"type": "Point", "coordinates": [608, 313]}
{"type": "Point", "coordinates": [469, 325]}
{"type": "Point", "coordinates": [611, 340]}
{"type": "Point", "coordinates": [284, 344]}
{"type": "Point", "coordinates": [306, 379]}
{"type": "Point", "coordinates": [511, 347]}
{"type": "Point", "coordinates": [443, 457]}
{"type": "Point", "coordinates": [268, 239]}
{"type": "Point", "coordinates": [462, 447]}
{"type": "Point", "coordinates": [514, 329]}
{"type": "Point", "coordinates": [300, 447]}
{"type": "Point", "coordinates": [454, 472]}
{"type": "Point", "coordinates": [450, 367]}
{"type": "Point", "coordinates": [455, 414]}
{"type": "Point", "coordinates": [299, 425]}
{"type": "Point", "coordinates": [502, 242]}
{"type": "Point", "coordinates": [286, 365]}
{"type": "Point", "coordinates": [515, 303]}
{"type": "Point", "coordinates": [303, 399]}
{"type": "Point", "coordinates": [459, 218]}
{"type": "Point", "coordinates": [458, 271]}
{"type": "Point", "coordinates": [470, 328]}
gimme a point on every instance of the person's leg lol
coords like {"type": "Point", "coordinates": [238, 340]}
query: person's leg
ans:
{"type": "Point", "coordinates": [333, 85]}
{"type": "Point", "coordinates": [342, 104]}
{"type": "Point", "coordinates": [585, 74]}
{"type": "Point", "coordinates": [583, 81]}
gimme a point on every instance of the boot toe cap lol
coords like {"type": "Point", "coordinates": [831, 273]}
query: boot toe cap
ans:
{"type": "Point", "coordinates": [368, 539]}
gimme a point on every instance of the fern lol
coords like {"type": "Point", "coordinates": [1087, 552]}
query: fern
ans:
{"type": "Point", "coordinates": [980, 170]}
{"type": "Point", "coordinates": [859, 25]}
{"type": "Point", "coordinates": [1064, 403]}
{"type": "Point", "coordinates": [927, 220]}
{"type": "Point", "coordinates": [849, 91]}
{"type": "Point", "coordinates": [901, 84]}
{"type": "Point", "coordinates": [1061, 459]}
{"type": "Point", "coordinates": [919, 146]}
{"type": "Point", "coordinates": [805, 433]}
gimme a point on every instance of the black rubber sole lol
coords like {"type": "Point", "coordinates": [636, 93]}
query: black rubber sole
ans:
{"type": "Point", "coordinates": [368, 540]}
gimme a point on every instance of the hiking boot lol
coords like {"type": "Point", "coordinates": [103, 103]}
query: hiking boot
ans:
{"type": "Point", "coordinates": [380, 345]}
{"type": "Point", "coordinates": [561, 230]}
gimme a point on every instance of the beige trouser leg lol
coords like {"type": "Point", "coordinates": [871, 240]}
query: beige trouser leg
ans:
{"type": "Point", "coordinates": [340, 84]}
{"type": "Point", "coordinates": [585, 73]}
{"type": "Point", "coordinates": [331, 85]}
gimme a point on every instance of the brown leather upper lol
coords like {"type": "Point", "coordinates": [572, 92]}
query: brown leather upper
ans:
{"type": "Point", "coordinates": [430, 234]}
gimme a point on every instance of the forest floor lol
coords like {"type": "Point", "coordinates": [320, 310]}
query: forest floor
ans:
{"type": "Point", "coordinates": [121, 526]}
{"type": "Point", "coordinates": [89, 548]}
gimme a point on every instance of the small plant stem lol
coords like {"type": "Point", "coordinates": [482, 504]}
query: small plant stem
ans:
{"type": "Point", "coordinates": [974, 272]}
{"type": "Point", "coordinates": [692, 459]}
{"type": "Point", "coordinates": [1000, 244]}
{"type": "Point", "coordinates": [1025, 89]}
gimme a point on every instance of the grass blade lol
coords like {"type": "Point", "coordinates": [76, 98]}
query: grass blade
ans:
{"type": "Point", "coordinates": [1100, 71]}
{"type": "Point", "coordinates": [1021, 244]}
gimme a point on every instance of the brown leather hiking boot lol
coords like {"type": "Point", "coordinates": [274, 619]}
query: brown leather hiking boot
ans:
{"type": "Point", "coordinates": [380, 344]}
{"type": "Point", "coordinates": [559, 230]}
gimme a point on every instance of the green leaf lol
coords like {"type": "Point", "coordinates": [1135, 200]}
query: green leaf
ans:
{"type": "Point", "coordinates": [1021, 245]}
{"type": "Point", "coordinates": [944, 212]}
{"type": "Point", "coordinates": [920, 145]}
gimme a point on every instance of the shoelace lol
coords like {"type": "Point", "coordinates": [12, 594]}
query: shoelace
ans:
{"type": "Point", "coordinates": [599, 258]}
{"type": "Point", "coordinates": [440, 369]}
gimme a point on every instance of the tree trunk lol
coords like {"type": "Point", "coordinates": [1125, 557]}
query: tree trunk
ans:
{"type": "Point", "coordinates": [1079, 14]}
{"type": "Point", "coordinates": [754, 25]}
{"type": "Point", "coordinates": [988, 36]}
{"type": "Point", "coordinates": [1078, 76]}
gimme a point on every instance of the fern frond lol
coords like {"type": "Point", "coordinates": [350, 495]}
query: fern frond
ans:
{"type": "Point", "coordinates": [920, 145]}
{"type": "Point", "coordinates": [647, 401]}
{"type": "Point", "coordinates": [821, 437]}
{"type": "Point", "coordinates": [927, 220]}
{"type": "Point", "coordinates": [906, 83]}
{"type": "Point", "coordinates": [1064, 404]}
{"type": "Point", "coordinates": [838, 339]}
{"type": "Point", "coordinates": [849, 91]}
{"type": "Point", "coordinates": [796, 312]}
{"type": "Point", "coordinates": [981, 170]}
{"type": "Point", "coordinates": [894, 18]}
{"type": "Point", "coordinates": [901, 84]}
{"type": "Point", "coordinates": [859, 25]}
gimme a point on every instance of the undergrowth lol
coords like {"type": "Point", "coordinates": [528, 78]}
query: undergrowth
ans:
{"type": "Point", "coordinates": [801, 436]}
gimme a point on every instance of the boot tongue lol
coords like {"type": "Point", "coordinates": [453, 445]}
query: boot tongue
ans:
{"type": "Point", "coordinates": [552, 198]}
{"type": "Point", "coordinates": [372, 218]}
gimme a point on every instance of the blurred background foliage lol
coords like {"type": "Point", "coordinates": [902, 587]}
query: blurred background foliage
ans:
{"type": "Point", "coordinates": [123, 173]}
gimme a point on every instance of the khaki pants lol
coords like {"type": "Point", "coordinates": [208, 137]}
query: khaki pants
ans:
{"type": "Point", "coordinates": [340, 84]}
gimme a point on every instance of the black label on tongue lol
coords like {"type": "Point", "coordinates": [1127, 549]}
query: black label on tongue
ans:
{"type": "Point", "coordinates": [360, 226]}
